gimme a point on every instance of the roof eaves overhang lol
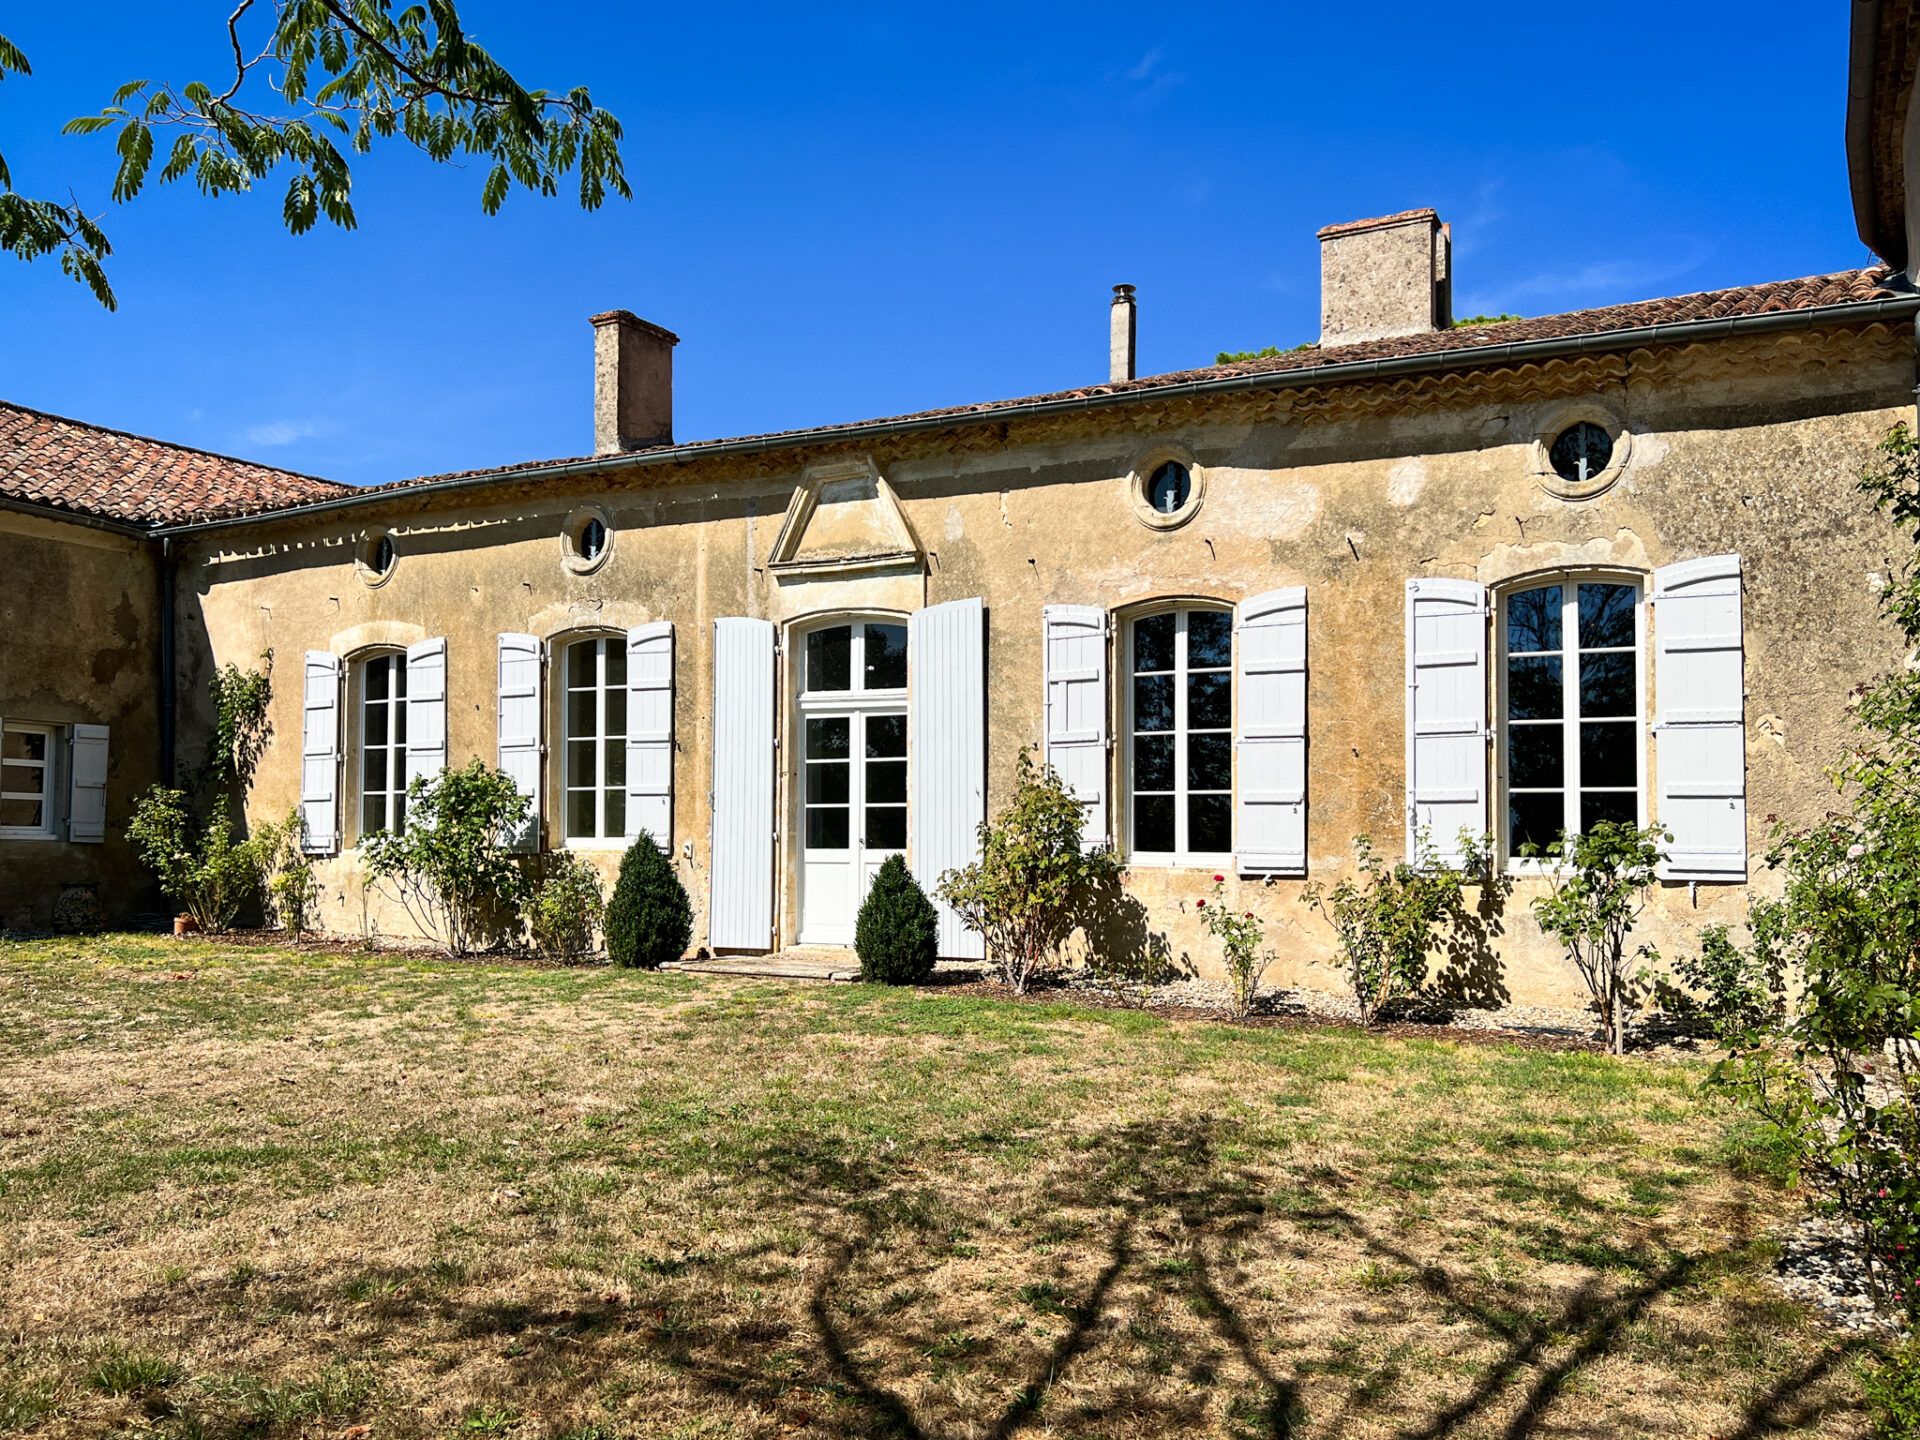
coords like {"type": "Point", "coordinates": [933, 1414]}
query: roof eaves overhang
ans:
{"type": "Point", "coordinates": [77, 517]}
{"type": "Point", "coordinates": [1518, 352]}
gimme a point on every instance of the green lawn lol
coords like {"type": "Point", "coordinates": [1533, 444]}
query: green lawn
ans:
{"type": "Point", "coordinates": [256, 1192]}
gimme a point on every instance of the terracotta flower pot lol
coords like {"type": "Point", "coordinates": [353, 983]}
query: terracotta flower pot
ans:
{"type": "Point", "coordinates": [185, 925]}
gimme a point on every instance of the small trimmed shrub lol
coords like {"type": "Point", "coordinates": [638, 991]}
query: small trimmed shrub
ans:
{"type": "Point", "coordinates": [202, 868]}
{"type": "Point", "coordinates": [897, 935]}
{"type": "Point", "coordinates": [293, 894]}
{"type": "Point", "coordinates": [565, 908]}
{"type": "Point", "coordinates": [1738, 992]}
{"type": "Point", "coordinates": [649, 918]}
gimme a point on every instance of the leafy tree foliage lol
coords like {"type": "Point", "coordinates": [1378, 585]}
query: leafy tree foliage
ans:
{"type": "Point", "coordinates": [564, 907]}
{"type": "Point", "coordinates": [1024, 894]}
{"type": "Point", "coordinates": [1739, 992]}
{"type": "Point", "coordinates": [649, 918]}
{"type": "Point", "coordinates": [313, 82]}
{"type": "Point", "coordinates": [1597, 887]}
{"type": "Point", "coordinates": [897, 933]}
{"type": "Point", "coordinates": [451, 867]}
{"type": "Point", "coordinates": [1387, 921]}
{"type": "Point", "coordinates": [202, 866]}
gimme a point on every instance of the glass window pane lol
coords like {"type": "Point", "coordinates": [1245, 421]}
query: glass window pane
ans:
{"type": "Point", "coordinates": [580, 664]}
{"type": "Point", "coordinates": [887, 782]}
{"type": "Point", "coordinates": [616, 663]}
{"type": "Point", "coordinates": [830, 659]}
{"type": "Point", "coordinates": [1536, 756]}
{"type": "Point", "coordinates": [1209, 702]}
{"type": "Point", "coordinates": [1209, 824]}
{"type": "Point", "coordinates": [25, 814]}
{"type": "Point", "coordinates": [1153, 762]}
{"type": "Point", "coordinates": [616, 714]}
{"type": "Point", "coordinates": [399, 726]}
{"type": "Point", "coordinates": [886, 827]}
{"type": "Point", "coordinates": [827, 739]}
{"type": "Point", "coordinates": [827, 828]}
{"type": "Point", "coordinates": [1608, 754]}
{"type": "Point", "coordinates": [1153, 702]}
{"type": "Point", "coordinates": [1209, 638]}
{"type": "Point", "coordinates": [1210, 762]}
{"type": "Point", "coordinates": [23, 745]}
{"type": "Point", "coordinates": [885, 661]}
{"type": "Point", "coordinates": [400, 812]}
{"type": "Point", "coordinates": [1168, 487]}
{"type": "Point", "coordinates": [1533, 620]}
{"type": "Point", "coordinates": [399, 664]}
{"type": "Point", "coordinates": [827, 782]}
{"type": "Point", "coordinates": [613, 757]}
{"type": "Point", "coordinates": [1606, 684]}
{"type": "Point", "coordinates": [1621, 805]}
{"type": "Point", "coordinates": [1153, 823]}
{"type": "Point", "coordinates": [1534, 689]}
{"type": "Point", "coordinates": [1153, 643]}
{"type": "Point", "coordinates": [373, 814]}
{"type": "Point", "coordinates": [1534, 820]}
{"type": "Point", "coordinates": [1606, 616]}
{"type": "Point", "coordinates": [583, 718]}
{"type": "Point", "coordinates": [580, 814]}
{"type": "Point", "coordinates": [375, 677]}
{"type": "Point", "coordinates": [373, 769]}
{"type": "Point", "coordinates": [886, 736]}
{"type": "Point", "coordinates": [615, 809]}
{"type": "Point", "coordinates": [23, 779]}
{"type": "Point", "coordinates": [580, 769]}
{"type": "Point", "coordinates": [374, 731]}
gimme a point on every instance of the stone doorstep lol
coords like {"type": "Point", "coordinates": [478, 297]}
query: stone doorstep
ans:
{"type": "Point", "coordinates": [837, 965]}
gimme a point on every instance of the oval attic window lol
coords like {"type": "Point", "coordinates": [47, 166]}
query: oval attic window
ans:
{"type": "Point", "coordinates": [1581, 452]}
{"type": "Point", "coordinates": [1169, 488]}
{"type": "Point", "coordinates": [593, 540]}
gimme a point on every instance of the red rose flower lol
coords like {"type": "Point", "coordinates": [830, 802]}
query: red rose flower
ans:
{"type": "Point", "coordinates": [1219, 879]}
{"type": "Point", "coordinates": [1199, 904]}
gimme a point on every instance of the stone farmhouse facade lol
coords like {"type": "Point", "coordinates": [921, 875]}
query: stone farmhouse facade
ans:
{"type": "Point", "coordinates": [1509, 577]}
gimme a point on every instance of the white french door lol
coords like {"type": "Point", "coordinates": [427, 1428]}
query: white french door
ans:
{"type": "Point", "coordinates": [853, 795]}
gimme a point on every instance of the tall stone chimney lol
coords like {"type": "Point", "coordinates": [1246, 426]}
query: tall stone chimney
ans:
{"type": "Point", "coordinates": [1122, 331]}
{"type": "Point", "coordinates": [1385, 277]}
{"type": "Point", "coordinates": [632, 383]}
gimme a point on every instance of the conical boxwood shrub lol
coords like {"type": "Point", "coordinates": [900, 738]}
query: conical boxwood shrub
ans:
{"type": "Point", "coordinates": [649, 918]}
{"type": "Point", "coordinates": [898, 933]}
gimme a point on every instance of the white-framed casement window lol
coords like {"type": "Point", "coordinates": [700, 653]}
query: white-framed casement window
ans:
{"type": "Point", "coordinates": [1571, 706]}
{"type": "Point", "coordinates": [383, 742]}
{"type": "Point", "coordinates": [27, 764]}
{"type": "Point", "coordinates": [594, 721]}
{"type": "Point", "coordinates": [1179, 727]}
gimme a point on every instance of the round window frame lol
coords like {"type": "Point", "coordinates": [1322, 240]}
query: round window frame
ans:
{"type": "Point", "coordinates": [367, 558]}
{"type": "Point", "coordinates": [571, 533]}
{"type": "Point", "coordinates": [1140, 480]}
{"type": "Point", "coordinates": [1557, 422]}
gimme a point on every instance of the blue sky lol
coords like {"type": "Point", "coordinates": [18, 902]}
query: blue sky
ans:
{"type": "Point", "coordinates": [847, 213]}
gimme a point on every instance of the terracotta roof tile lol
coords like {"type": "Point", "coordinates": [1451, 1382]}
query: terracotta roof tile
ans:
{"type": "Point", "coordinates": [1378, 222]}
{"type": "Point", "coordinates": [71, 465]}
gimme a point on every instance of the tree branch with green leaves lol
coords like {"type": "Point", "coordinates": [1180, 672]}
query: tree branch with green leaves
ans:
{"type": "Point", "coordinates": [313, 85]}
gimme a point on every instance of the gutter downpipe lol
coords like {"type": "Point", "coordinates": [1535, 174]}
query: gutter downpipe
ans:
{"type": "Point", "coordinates": [1672, 332]}
{"type": "Point", "coordinates": [165, 678]}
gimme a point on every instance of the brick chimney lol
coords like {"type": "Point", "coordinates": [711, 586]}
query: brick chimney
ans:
{"type": "Point", "coordinates": [1385, 277]}
{"type": "Point", "coordinates": [1123, 329]}
{"type": "Point", "coordinates": [632, 383]}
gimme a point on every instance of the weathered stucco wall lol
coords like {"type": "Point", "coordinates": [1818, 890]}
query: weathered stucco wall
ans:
{"type": "Point", "coordinates": [1747, 446]}
{"type": "Point", "coordinates": [79, 643]}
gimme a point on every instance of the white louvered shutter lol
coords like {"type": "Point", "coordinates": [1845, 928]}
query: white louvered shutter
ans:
{"type": "Point", "coordinates": [1446, 714]}
{"type": "Point", "coordinates": [1270, 745]}
{"type": "Point", "coordinates": [87, 785]}
{"type": "Point", "coordinates": [1700, 747]}
{"type": "Point", "coordinates": [650, 732]}
{"type": "Point", "coordinates": [426, 709]}
{"type": "Point", "coordinates": [947, 729]}
{"type": "Point", "coordinates": [320, 753]}
{"type": "Point", "coordinates": [519, 728]}
{"type": "Point", "coordinates": [1076, 706]}
{"type": "Point", "coordinates": [740, 866]}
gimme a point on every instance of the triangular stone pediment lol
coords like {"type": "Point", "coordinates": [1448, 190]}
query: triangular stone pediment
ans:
{"type": "Point", "coordinates": [845, 518]}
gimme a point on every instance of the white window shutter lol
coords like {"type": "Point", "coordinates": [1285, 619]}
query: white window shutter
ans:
{"type": "Point", "coordinates": [426, 709]}
{"type": "Point", "coordinates": [87, 785]}
{"type": "Point", "coordinates": [320, 754]}
{"type": "Point", "coordinates": [1699, 731]}
{"type": "Point", "coordinates": [947, 729]}
{"type": "Point", "coordinates": [650, 732]}
{"type": "Point", "coordinates": [519, 727]}
{"type": "Point", "coordinates": [740, 863]}
{"type": "Point", "coordinates": [1446, 714]}
{"type": "Point", "coordinates": [1270, 744]}
{"type": "Point", "coordinates": [1076, 705]}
